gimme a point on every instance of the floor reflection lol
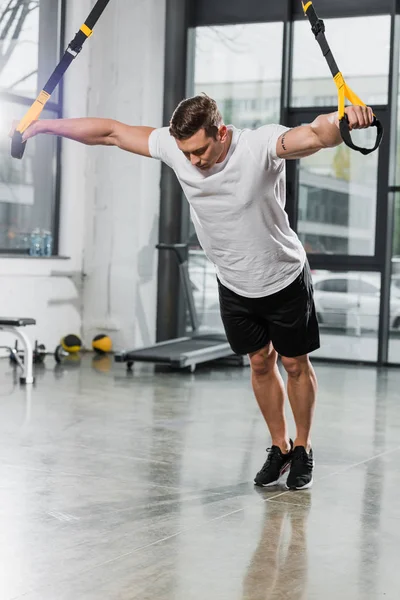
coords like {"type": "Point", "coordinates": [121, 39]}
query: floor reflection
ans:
{"type": "Point", "coordinates": [279, 566]}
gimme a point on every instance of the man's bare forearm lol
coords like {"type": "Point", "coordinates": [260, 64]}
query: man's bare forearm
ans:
{"type": "Point", "coordinates": [324, 132]}
{"type": "Point", "coordinates": [93, 132]}
{"type": "Point", "coordinates": [86, 131]}
{"type": "Point", "coordinates": [326, 129]}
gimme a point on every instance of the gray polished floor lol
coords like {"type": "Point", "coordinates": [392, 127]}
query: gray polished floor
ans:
{"type": "Point", "coordinates": [117, 487]}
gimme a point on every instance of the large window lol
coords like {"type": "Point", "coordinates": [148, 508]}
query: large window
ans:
{"type": "Point", "coordinates": [205, 292]}
{"type": "Point", "coordinates": [29, 50]}
{"type": "Point", "coordinates": [339, 192]}
{"type": "Point", "coordinates": [394, 307]}
{"type": "Point", "coordinates": [365, 65]}
{"type": "Point", "coordinates": [240, 66]}
{"type": "Point", "coordinates": [397, 157]}
{"type": "Point", "coordinates": [337, 201]}
{"type": "Point", "coordinates": [19, 30]}
{"type": "Point", "coordinates": [394, 317]}
{"type": "Point", "coordinates": [348, 306]}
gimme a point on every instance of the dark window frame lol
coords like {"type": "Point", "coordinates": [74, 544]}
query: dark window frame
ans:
{"type": "Point", "coordinates": [45, 66]}
{"type": "Point", "coordinates": [233, 12]}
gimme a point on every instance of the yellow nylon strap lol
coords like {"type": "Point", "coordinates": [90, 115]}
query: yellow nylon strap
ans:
{"type": "Point", "coordinates": [86, 30]}
{"type": "Point", "coordinates": [341, 85]}
{"type": "Point", "coordinates": [345, 92]}
{"type": "Point", "coordinates": [34, 112]}
{"type": "Point", "coordinates": [352, 97]}
{"type": "Point", "coordinates": [306, 6]}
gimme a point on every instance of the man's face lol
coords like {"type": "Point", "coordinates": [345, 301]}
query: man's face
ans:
{"type": "Point", "coordinates": [204, 152]}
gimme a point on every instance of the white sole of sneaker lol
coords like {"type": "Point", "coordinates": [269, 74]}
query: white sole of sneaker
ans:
{"type": "Point", "coordinates": [284, 470]}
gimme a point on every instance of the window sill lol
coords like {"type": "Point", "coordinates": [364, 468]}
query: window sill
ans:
{"type": "Point", "coordinates": [27, 257]}
{"type": "Point", "coordinates": [32, 266]}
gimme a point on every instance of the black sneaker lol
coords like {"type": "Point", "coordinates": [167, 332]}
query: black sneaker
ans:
{"type": "Point", "coordinates": [301, 471]}
{"type": "Point", "coordinates": [274, 467]}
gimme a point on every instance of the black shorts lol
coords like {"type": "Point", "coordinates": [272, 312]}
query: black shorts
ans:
{"type": "Point", "coordinates": [287, 319]}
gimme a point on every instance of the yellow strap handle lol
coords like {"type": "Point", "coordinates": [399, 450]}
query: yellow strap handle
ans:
{"type": "Point", "coordinates": [345, 92]}
{"type": "Point", "coordinates": [34, 111]}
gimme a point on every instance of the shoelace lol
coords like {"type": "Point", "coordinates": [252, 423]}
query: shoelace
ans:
{"type": "Point", "coordinates": [303, 456]}
{"type": "Point", "coordinates": [299, 458]}
{"type": "Point", "coordinates": [273, 456]}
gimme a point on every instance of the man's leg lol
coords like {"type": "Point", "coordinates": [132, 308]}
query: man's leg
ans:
{"type": "Point", "coordinates": [302, 390]}
{"type": "Point", "coordinates": [269, 391]}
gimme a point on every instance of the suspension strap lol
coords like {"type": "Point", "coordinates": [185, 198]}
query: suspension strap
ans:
{"type": "Point", "coordinates": [74, 48]}
{"type": "Point", "coordinates": [344, 91]}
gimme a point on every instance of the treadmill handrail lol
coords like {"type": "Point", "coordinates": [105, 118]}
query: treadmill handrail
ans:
{"type": "Point", "coordinates": [163, 246]}
{"type": "Point", "coordinates": [187, 288]}
{"type": "Point", "coordinates": [181, 252]}
{"type": "Point", "coordinates": [157, 345]}
{"type": "Point", "coordinates": [213, 350]}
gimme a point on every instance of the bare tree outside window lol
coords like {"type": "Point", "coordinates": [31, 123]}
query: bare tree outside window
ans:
{"type": "Point", "coordinates": [18, 45]}
{"type": "Point", "coordinates": [27, 187]}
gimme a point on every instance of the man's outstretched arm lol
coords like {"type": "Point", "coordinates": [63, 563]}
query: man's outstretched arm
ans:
{"type": "Point", "coordinates": [105, 132]}
{"type": "Point", "coordinates": [322, 133]}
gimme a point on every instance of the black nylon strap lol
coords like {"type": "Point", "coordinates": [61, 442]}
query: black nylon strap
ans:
{"type": "Point", "coordinates": [78, 41]}
{"type": "Point", "coordinates": [316, 22]}
{"type": "Point", "coordinates": [327, 52]}
{"type": "Point", "coordinates": [318, 28]}
{"type": "Point", "coordinates": [58, 73]}
{"type": "Point", "coordinates": [76, 46]}
{"type": "Point", "coordinates": [96, 13]}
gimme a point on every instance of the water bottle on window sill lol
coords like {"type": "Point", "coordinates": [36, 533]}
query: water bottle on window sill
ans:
{"type": "Point", "coordinates": [36, 245]}
{"type": "Point", "coordinates": [41, 243]}
{"type": "Point", "coordinates": [47, 243]}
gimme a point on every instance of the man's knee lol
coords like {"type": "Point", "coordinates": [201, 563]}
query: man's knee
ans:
{"type": "Point", "coordinates": [263, 361]}
{"type": "Point", "coordinates": [295, 367]}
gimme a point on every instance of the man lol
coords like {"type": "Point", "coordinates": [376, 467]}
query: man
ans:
{"type": "Point", "coordinates": [235, 183]}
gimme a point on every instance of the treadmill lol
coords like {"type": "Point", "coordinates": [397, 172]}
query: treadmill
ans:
{"type": "Point", "coordinates": [189, 351]}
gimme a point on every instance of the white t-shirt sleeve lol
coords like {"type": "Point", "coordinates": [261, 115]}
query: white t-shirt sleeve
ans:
{"type": "Point", "coordinates": [262, 144]}
{"type": "Point", "coordinates": [163, 146]}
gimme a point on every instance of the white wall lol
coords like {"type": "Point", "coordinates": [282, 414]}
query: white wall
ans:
{"type": "Point", "coordinates": [110, 200]}
{"type": "Point", "coordinates": [122, 190]}
{"type": "Point", "coordinates": [44, 290]}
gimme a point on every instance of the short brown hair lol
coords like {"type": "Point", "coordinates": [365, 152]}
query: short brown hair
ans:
{"type": "Point", "coordinates": [193, 114]}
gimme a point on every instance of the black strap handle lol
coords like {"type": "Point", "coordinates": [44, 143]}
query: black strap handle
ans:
{"type": "Point", "coordinates": [17, 145]}
{"type": "Point", "coordinates": [346, 136]}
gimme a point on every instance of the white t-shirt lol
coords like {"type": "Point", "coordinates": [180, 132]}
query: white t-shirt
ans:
{"type": "Point", "coordinates": [237, 209]}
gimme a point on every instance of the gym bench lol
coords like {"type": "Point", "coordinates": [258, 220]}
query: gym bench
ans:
{"type": "Point", "coordinates": [13, 326]}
